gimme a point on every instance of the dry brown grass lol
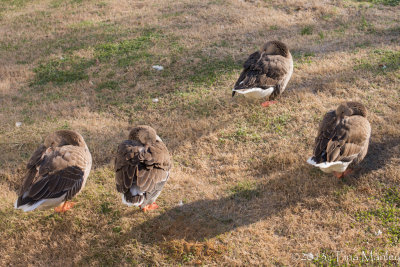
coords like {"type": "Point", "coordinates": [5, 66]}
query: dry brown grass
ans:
{"type": "Point", "coordinates": [249, 197]}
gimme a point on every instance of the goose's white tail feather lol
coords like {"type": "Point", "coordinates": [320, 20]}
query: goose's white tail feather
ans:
{"type": "Point", "coordinates": [126, 202]}
{"type": "Point", "coordinates": [27, 207]}
{"type": "Point", "coordinates": [255, 92]}
{"type": "Point", "coordinates": [328, 167]}
{"type": "Point", "coordinates": [42, 204]}
{"type": "Point", "coordinates": [134, 192]}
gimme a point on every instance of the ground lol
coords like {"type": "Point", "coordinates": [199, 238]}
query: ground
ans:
{"type": "Point", "coordinates": [240, 170]}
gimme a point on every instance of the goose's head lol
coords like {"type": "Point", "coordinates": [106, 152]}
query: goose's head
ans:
{"type": "Point", "coordinates": [63, 138]}
{"type": "Point", "coordinates": [144, 134]}
{"type": "Point", "coordinates": [276, 48]}
{"type": "Point", "coordinates": [343, 110]}
{"type": "Point", "coordinates": [351, 108]}
{"type": "Point", "coordinates": [357, 108]}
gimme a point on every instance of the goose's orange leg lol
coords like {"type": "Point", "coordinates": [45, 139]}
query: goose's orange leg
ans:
{"type": "Point", "coordinates": [268, 103]}
{"type": "Point", "coordinates": [150, 207]}
{"type": "Point", "coordinates": [338, 174]}
{"type": "Point", "coordinates": [342, 174]}
{"type": "Point", "coordinates": [64, 207]}
{"type": "Point", "coordinates": [347, 172]}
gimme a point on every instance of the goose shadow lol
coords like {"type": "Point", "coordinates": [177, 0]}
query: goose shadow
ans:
{"type": "Point", "coordinates": [379, 155]}
{"type": "Point", "coordinates": [208, 218]}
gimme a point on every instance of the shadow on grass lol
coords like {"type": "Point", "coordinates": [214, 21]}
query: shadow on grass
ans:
{"type": "Point", "coordinates": [379, 154]}
{"type": "Point", "coordinates": [208, 218]}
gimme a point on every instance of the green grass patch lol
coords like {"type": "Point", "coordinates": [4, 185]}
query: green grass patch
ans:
{"type": "Point", "coordinates": [300, 58]}
{"type": "Point", "coordinates": [84, 35]}
{"type": "Point", "coordinates": [342, 28]}
{"type": "Point", "coordinates": [274, 27]}
{"type": "Point", "coordinates": [172, 14]}
{"type": "Point", "coordinates": [394, 231]}
{"type": "Point", "coordinates": [58, 3]}
{"type": "Point", "coordinates": [277, 124]}
{"type": "Point", "coordinates": [14, 3]}
{"type": "Point", "coordinates": [383, 2]}
{"type": "Point", "coordinates": [107, 93]}
{"type": "Point", "coordinates": [245, 190]}
{"type": "Point", "coordinates": [242, 134]}
{"type": "Point", "coordinates": [101, 4]}
{"type": "Point", "coordinates": [83, 24]}
{"type": "Point", "coordinates": [366, 26]}
{"type": "Point", "coordinates": [387, 213]}
{"type": "Point", "coordinates": [260, 118]}
{"type": "Point", "coordinates": [380, 61]}
{"type": "Point", "coordinates": [392, 197]}
{"type": "Point", "coordinates": [209, 70]}
{"type": "Point", "coordinates": [6, 5]}
{"type": "Point", "coordinates": [105, 208]}
{"type": "Point", "coordinates": [222, 43]}
{"type": "Point", "coordinates": [127, 52]}
{"type": "Point", "coordinates": [343, 191]}
{"type": "Point", "coordinates": [196, 106]}
{"type": "Point", "coordinates": [117, 229]}
{"type": "Point", "coordinates": [307, 30]}
{"type": "Point", "coordinates": [60, 71]}
{"type": "Point", "coordinates": [111, 85]}
{"type": "Point", "coordinates": [8, 46]}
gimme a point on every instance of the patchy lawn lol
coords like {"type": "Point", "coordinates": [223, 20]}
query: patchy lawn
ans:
{"type": "Point", "coordinates": [249, 197]}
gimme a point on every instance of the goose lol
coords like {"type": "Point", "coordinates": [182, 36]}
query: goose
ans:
{"type": "Point", "coordinates": [265, 73]}
{"type": "Point", "coordinates": [343, 139]}
{"type": "Point", "coordinates": [56, 172]}
{"type": "Point", "coordinates": [142, 166]}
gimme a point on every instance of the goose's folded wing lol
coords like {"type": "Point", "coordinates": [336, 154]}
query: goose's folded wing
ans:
{"type": "Point", "coordinates": [262, 71]}
{"type": "Point", "coordinates": [32, 168]}
{"type": "Point", "coordinates": [66, 181]}
{"type": "Point", "coordinates": [326, 132]}
{"type": "Point", "coordinates": [126, 163]}
{"type": "Point", "coordinates": [274, 66]}
{"type": "Point", "coordinates": [251, 60]}
{"type": "Point", "coordinates": [349, 140]}
{"type": "Point", "coordinates": [61, 171]}
{"type": "Point", "coordinates": [147, 168]}
{"type": "Point", "coordinates": [247, 66]}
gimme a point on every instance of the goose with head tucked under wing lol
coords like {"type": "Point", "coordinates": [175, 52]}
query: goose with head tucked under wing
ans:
{"type": "Point", "coordinates": [342, 140]}
{"type": "Point", "coordinates": [266, 72]}
{"type": "Point", "coordinates": [142, 167]}
{"type": "Point", "coordinates": [56, 172]}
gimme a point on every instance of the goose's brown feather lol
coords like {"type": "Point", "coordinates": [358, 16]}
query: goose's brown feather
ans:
{"type": "Point", "coordinates": [141, 165]}
{"type": "Point", "coordinates": [56, 168]}
{"type": "Point", "coordinates": [267, 68]}
{"type": "Point", "coordinates": [342, 138]}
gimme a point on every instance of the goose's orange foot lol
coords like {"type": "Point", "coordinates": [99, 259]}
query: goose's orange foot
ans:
{"type": "Point", "coordinates": [150, 207]}
{"type": "Point", "coordinates": [338, 174]}
{"type": "Point", "coordinates": [268, 103]}
{"type": "Point", "coordinates": [64, 207]}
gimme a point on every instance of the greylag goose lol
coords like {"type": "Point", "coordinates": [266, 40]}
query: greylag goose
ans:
{"type": "Point", "coordinates": [343, 139]}
{"type": "Point", "coordinates": [56, 172]}
{"type": "Point", "coordinates": [266, 72]}
{"type": "Point", "coordinates": [142, 167]}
